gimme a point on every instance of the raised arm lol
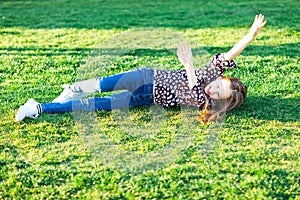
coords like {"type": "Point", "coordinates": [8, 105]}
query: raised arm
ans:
{"type": "Point", "coordinates": [257, 25]}
{"type": "Point", "coordinates": [185, 56]}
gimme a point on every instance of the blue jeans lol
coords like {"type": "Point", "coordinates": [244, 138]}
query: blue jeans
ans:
{"type": "Point", "coordinates": [139, 91]}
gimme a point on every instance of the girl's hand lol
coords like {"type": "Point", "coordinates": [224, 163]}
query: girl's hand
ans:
{"type": "Point", "coordinates": [185, 55]}
{"type": "Point", "coordinates": [242, 44]}
{"type": "Point", "coordinates": [257, 25]}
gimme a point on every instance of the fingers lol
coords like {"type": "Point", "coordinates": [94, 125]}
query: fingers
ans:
{"type": "Point", "coordinates": [260, 19]}
{"type": "Point", "coordinates": [179, 49]}
{"type": "Point", "coordinates": [184, 54]}
{"type": "Point", "coordinates": [258, 23]}
{"type": "Point", "coordinates": [262, 24]}
{"type": "Point", "coordinates": [183, 49]}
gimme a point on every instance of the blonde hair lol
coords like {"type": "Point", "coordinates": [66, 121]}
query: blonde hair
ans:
{"type": "Point", "coordinates": [218, 108]}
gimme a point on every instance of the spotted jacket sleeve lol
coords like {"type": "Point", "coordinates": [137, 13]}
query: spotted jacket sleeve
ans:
{"type": "Point", "coordinates": [215, 68]}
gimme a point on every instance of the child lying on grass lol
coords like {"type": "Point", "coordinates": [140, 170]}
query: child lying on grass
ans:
{"type": "Point", "coordinates": [206, 88]}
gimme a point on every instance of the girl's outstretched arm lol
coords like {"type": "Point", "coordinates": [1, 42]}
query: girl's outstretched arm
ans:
{"type": "Point", "coordinates": [257, 25]}
{"type": "Point", "coordinates": [185, 56]}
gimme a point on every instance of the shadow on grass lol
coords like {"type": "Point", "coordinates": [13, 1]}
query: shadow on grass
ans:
{"type": "Point", "coordinates": [279, 183]}
{"type": "Point", "coordinates": [289, 49]}
{"type": "Point", "coordinates": [107, 14]}
{"type": "Point", "coordinates": [36, 51]}
{"type": "Point", "coordinates": [31, 51]}
{"type": "Point", "coordinates": [270, 108]}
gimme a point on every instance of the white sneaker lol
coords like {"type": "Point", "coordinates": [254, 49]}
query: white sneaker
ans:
{"type": "Point", "coordinates": [29, 109]}
{"type": "Point", "coordinates": [68, 94]}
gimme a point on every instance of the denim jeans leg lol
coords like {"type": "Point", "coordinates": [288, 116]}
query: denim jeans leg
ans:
{"type": "Point", "coordinates": [130, 81]}
{"type": "Point", "coordinates": [141, 97]}
{"type": "Point", "coordinates": [115, 101]}
{"type": "Point", "coordinates": [139, 84]}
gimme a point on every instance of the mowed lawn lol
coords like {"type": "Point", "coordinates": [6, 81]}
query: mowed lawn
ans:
{"type": "Point", "coordinates": [147, 152]}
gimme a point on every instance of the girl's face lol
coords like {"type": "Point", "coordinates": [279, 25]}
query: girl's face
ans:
{"type": "Point", "coordinates": [219, 89]}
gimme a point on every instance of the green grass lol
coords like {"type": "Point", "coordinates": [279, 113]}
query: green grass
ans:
{"type": "Point", "coordinates": [148, 152]}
